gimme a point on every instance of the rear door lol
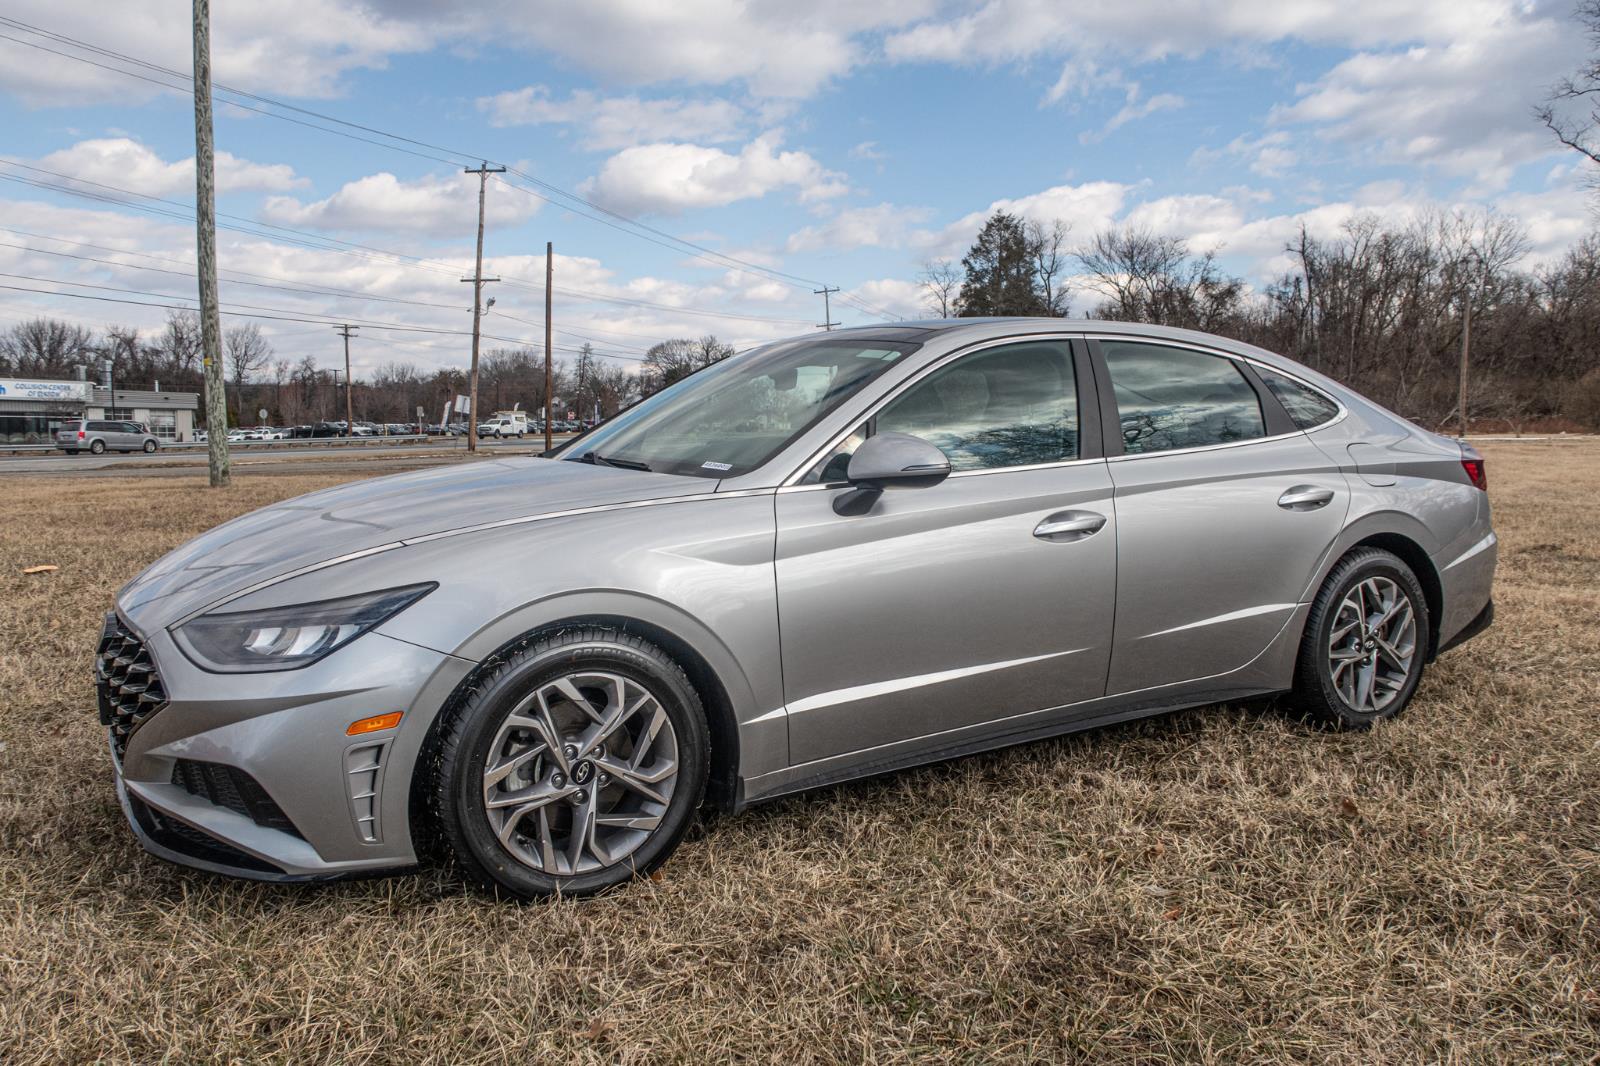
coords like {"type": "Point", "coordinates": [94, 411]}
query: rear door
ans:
{"type": "Point", "coordinates": [967, 602]}
{"type": "Point", "coordinates": [1224, 512]}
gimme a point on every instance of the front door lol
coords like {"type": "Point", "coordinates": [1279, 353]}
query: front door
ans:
{"type": "Point", "coordinates": [987, 596]}
{"type": "Point", "coordinates": [1220, 527]}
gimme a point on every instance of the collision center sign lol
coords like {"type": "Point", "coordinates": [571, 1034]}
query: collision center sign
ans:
{"type": "Point", "coordinates": [45, 390]}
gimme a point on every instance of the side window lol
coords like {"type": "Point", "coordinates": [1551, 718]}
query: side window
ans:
{"type": "Point", "coordinates": [132, 427]}
{"type": "Point", "coordinates": [1015, 405]}
{"type": "Point", "coordinates": [1306, 406]}
{"type": "Point", "coordinates": [102, 427]}
{"type": "Point", "coordinates": [1171, 398]}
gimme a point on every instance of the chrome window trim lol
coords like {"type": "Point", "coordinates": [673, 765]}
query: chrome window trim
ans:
{"type": "Point", "coordinates": [792, 479]}
{"type": "Point", "coordinates": [1225, 354]}
{"type": "Point", "coordinates": [1134, 338]}
{"type": "Point", "coordinates": [835, 485]}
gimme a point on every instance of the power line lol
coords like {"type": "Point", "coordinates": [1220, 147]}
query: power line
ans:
{"type": "Point", "coordinates": [698, 251]}
{"type": "Point", "coordinates": [310, 240]}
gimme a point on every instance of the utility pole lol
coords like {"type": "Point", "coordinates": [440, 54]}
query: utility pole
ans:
{"type": "Point", "coordinates": [483, 171]}
{"type": "Point", "coordinates": [827, 314]}
{"type": "Point", "coordinates": [349, 405]}
{"type": "Point", "coordinates": [205, 228]}
{"type": "Point", "coordinates": [549, 279]}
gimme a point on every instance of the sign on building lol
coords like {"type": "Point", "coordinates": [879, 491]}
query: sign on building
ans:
{"type": "Point", "coordinates": [57, 391]}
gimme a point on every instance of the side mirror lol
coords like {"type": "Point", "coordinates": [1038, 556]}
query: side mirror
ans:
{"type": "Point", "coordinates": [890, 461]}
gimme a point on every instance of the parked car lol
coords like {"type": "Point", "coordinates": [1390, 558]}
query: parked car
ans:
{"type": "Point", "coordinates": [919, 553]}
{"type": "Point", "coordinates": [503, 427]}
{"type": "Point", "coordinates": [102, 435]}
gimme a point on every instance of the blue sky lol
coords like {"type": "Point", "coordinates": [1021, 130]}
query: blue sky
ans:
{"type": "Point", "coordinates": [831, 142]}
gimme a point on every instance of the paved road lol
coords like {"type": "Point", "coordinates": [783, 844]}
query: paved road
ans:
{"type": "Point", "coordinates": [263, 459]}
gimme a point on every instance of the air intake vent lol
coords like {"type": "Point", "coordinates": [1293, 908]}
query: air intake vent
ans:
{"type": "Point", "coordinates": [363, 777]}
{"type": "Point", "coordinates": [231, 787]}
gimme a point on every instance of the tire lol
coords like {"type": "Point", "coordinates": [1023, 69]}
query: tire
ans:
{"type": "Point", "coordinates": [1351, 673]}
{"type": "Point", "coordinates": [149, 447]}
{"type": "Point", "coordinates": [526, 852]}
{"type": "Point", "coordinates": [97, 447]}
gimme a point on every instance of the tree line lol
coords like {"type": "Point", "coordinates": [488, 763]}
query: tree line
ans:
{"type": "Point", "coordinates": [1382, 307]}
{"type": "Point", "coordinates": [297, 391]}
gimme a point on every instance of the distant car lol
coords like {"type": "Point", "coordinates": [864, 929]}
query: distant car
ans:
{"type": "Point", "coordinates": [98, 437]}
{"type": "Point", "coordinates": [503, 427]}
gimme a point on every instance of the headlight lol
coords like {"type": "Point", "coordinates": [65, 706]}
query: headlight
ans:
{"type": "Point", "coordinates": [287, 638]}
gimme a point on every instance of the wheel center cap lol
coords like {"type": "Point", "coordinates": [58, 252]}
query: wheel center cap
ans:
{"type": "Point", "coordinates": [582, 772]}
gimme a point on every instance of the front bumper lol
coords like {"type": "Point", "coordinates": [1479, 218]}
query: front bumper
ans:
{"type": "Point", "coordinates": [345, 800]}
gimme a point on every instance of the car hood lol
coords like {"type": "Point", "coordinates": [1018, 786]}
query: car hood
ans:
{"type": "Point", "coordinates": [372, 514]}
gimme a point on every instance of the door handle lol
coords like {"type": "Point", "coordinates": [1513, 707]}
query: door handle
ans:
{"type": "Point", "coordinates": [1070, 525]}
{"type": "Point", "coordinates": [1305, 498]}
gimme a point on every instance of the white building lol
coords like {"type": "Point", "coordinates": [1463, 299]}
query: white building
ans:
{"type": "Point", "coordinates": [30, 410]}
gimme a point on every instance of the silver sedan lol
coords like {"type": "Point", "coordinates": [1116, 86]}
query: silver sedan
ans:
{"type": "Point", "coordinates": [826, 558]}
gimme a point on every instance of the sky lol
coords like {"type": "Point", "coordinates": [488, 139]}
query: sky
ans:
{"type": "Point", "coordinates": [701, 166]}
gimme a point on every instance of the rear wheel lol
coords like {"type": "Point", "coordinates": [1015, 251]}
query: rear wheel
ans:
{"type": "Point", "coordinates": [575, 765]}
{"type": "Point", "coordinates": [1361, 658]}
{"type": "Point", "coordinates": [149, 446]}
{"type": "Point", "coordinates": [97, 447]}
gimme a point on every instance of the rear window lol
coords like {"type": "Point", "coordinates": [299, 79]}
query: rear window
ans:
{"type": "Point", "coordinates": [1306, 406]}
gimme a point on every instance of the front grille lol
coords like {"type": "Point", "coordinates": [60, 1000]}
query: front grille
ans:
{"type": "Point", "coordinates": [231, 787]}
{"type": "Point", "coordinates": [129, 688]}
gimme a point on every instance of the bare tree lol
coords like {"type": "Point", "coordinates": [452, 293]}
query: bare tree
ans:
{"type": "Point", "coordinates": [1050, 257]}
{"type": "Point", "coordinates": [941, 281]}
{"type": "Point", "coordinates": [246, 351]}
{"type": "Point", "coordinates": [45, 347]}
{"type": "Point", "coordinates": [1571, 111]}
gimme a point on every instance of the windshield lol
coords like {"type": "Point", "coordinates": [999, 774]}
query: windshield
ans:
{"type": "Point", "coordinates": [733, 416]}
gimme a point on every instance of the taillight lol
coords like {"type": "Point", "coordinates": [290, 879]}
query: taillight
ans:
{"type": "Point", "coordinates": [80, 434]}
{"type": "Point", "coordinates": [1477, 472]}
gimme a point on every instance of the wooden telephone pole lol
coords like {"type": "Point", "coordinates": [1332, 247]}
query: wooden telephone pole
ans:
{"type": "Point", "coordinates": [349, 405]}
{"type": "Point", "coordinates": [827, 308]}
{"type": "Point", "coordinates": [205, 229]}
{"type": "Point", "coordinates": [549, 277]}
{"type": "Point", "coordinates": [483, 171]}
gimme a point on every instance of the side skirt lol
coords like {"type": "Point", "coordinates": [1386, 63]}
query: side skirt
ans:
{"type": "Point", "coordinates": [1060, 723]}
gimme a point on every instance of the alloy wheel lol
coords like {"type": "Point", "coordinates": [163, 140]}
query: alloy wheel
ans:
{"type": "Point", "coordinates": [1372, 645]}
{"type": "Point", "coordinates": [580, 773]}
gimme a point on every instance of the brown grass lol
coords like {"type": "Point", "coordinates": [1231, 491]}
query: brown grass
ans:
{"type": "Point", "coordinates": [1218, 885]}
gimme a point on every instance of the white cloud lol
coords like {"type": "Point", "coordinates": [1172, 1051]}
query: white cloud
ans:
{"type": "Point", "coordinates": [900, 298]}
{"type": "Point", "coordinates": [1086, 208]}
{"type": "Point", "coordinates": [1271, 155]}
{"type": "Point", "coordinates": [776, 48]}
{"type": "Point", "coordinates": [607, 123]}
{"type": "Point", "coordinates": [669, 178]}
{"type": "Point", "coordinates": [443, 207]}
{"type": "Point", "coordinates": [299, 47]}
{"type": "Point", "coordinates": [1005, 30]}
{"type": "Point", "coordinates": [1461, 105]}
{"type": "Point", "coordinates": [128, 164]}
{"type": "Point", "coordinates": [881, 226]}
{"type": "Point", "coordinates": [868, 150]}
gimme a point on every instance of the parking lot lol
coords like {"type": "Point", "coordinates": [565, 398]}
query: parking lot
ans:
{"type": "Point", "coordinates": [1217, 885]}
{"type": "Point", "coordinates": [265, 457]}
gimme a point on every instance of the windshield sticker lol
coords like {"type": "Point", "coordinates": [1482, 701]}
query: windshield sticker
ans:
{"type": "Point", "coordinates": [716, 466]}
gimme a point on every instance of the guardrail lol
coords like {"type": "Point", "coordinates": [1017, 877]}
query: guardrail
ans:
{"type": "Point", "coordinates": [296, 442]}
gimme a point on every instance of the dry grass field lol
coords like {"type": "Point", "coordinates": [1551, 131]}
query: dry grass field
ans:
{"type": "Point", "coordinates": [1218, 885]}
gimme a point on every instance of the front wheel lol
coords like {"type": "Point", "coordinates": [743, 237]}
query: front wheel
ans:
{"type": "Point", "coordinates": [1361, 658]}
{"type": "Point", "coordinates": [574, 766]}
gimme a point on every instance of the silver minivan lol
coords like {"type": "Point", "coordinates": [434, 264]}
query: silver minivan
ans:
{"type": "Point", "coordinates": [99, 436]}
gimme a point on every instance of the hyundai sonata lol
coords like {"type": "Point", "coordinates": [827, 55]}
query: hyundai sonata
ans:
{"type": "Point", "coordinates": [821, 559]}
